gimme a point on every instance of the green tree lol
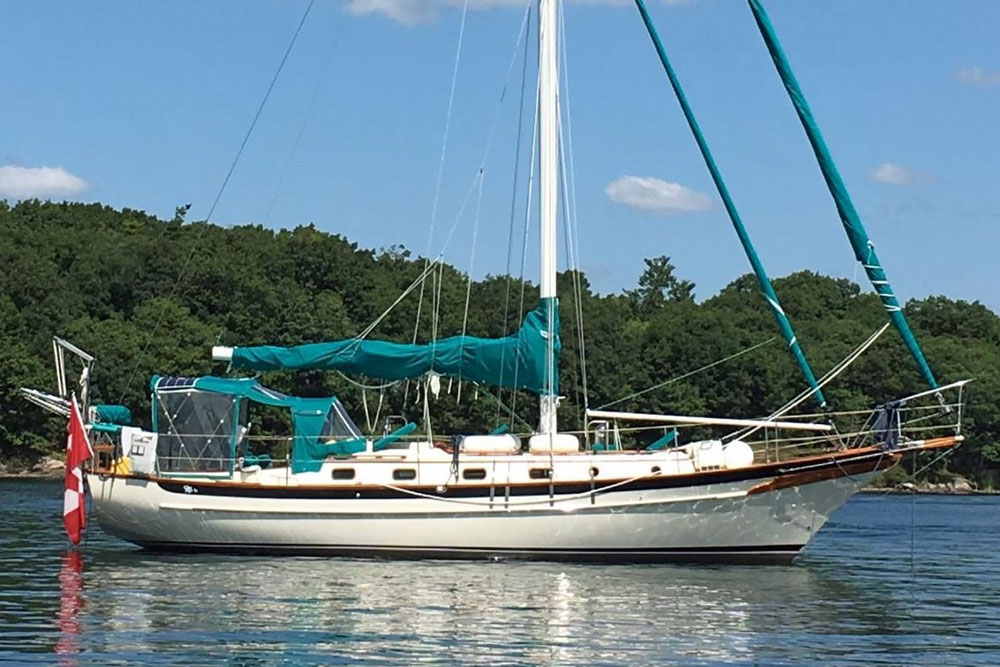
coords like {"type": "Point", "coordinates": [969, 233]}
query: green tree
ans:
{"type": "Point", "coordinates": [658, 286]}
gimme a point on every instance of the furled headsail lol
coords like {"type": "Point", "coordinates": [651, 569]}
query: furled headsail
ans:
{"type": "Point", "coordinates": [864, 249]}
{"type": "Point", "coordinates": [518, 360]}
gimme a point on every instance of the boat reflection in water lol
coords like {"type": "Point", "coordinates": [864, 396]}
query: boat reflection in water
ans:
{"type": "Point", "coordinates": [531, 612]}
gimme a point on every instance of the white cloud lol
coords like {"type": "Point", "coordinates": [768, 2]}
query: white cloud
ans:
{"type": "Point", "coordinates": [977, 76]}
{"type": "Point", "coordinates": [413, 12]}
{"type": "Point", "coordinates": [652, 194]}
{"type": "Point", "coordinates": [26, 182]}
{"type": "Point", "coordinates": [893, 174]}
{"type": "Point", "coordinates": [408, 12]}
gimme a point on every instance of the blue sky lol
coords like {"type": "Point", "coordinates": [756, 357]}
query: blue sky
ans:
{"type": "Point", "coordinates": [143, 104]}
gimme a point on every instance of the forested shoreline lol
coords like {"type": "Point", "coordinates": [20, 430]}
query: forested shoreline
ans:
{"type": "Point", "coordinates": [148, 296]}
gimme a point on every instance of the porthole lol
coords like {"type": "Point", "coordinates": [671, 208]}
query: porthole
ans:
{"type": "Point", "coordinates": [594, 472]}
{"type": "Point", "coordinates": [654, 469]}
{"type": "Point", "coordinates": [404, 473]}
{"type": "Point", "coordinates": [343, 473]}
{"type": "Point", "coordinates": [474, 473]}
{"type": "Point", "coordinates": [540, 473]}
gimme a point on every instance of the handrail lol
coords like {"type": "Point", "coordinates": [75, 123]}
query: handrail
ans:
{"type": "Point", "coordinates": [709, 421]}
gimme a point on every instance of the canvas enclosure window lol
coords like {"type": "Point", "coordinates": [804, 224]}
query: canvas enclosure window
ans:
{"type": "Point", "coordinates": [195, 430]}
{"type": "Point", "coordinates": [338, 425]}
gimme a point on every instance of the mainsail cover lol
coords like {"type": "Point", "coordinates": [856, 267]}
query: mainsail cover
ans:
{"type": "Point", "coordinates": [515, 361]}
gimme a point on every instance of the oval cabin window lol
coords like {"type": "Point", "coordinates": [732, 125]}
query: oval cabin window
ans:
{"type": "Point", "coordinates": [343, 473]}
{"type": "Point", "coordinates": [540, 473]}
{"type": "Point", "coordinates": [404, 473]}
{"type": "Point", "coordinates": [474, 473]}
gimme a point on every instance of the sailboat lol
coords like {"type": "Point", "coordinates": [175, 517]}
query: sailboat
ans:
{"type": "Point", "coordinates": [758, 492]}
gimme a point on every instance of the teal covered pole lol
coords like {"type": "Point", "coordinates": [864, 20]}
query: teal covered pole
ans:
{"type": "Point", "coordinates": [758, 268]}
{"type": "Point", "coordinates": [864, 249]}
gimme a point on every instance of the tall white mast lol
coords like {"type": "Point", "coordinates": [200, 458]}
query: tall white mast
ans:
{"type": "Point", "coordinates": [548, 139]}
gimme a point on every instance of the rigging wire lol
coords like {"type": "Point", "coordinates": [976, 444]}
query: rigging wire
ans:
{"type": "Point", "coordinates": [305, 119]}
{"type": "Point", "coordinates": [480, 176]}
{"type": "Point", "coordinates": [513, 199]}
{"type": "Point", "coordinates": [218, 196]}
{"type": "Point", "coordinates": [362, 385]}
{"type": "Point", "coordinates": [479, 199]}
{"type": "Point", "coordinates": [507, 410]}
{"type": "Point", "coordinates": [416, 281]}
{"type": "Point", "coordinates": [521, 33]}
{"type": "Point", "coordinates": [822, 382]}
{"type": "Point", "coordinates": [527, 227]}
{"type": "Point", "coordinates": [577, 291]}
{"type": "Point", "coordinates": [430, 266]}
{"type": "Point", "coordinates": [444, 152]}
{"type": "Point", "coordinates": [570, 213]}
{"type": "Point", "coordinates": [689, 373]}
{"type": "Point", "coordinates": [468, 284]}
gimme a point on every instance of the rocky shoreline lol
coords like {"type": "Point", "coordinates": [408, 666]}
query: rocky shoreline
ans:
{"type": "Point", "coordinates": [958, 487]}
{"type": "Point", "coordinates": [47, 468]}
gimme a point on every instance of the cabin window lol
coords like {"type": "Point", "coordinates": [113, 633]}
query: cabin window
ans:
{"type": "Point", "coordinates": [474, 473]}
{"type": "Point", "coordinates": [404, 473]}
{"type": "Point", "coordinates": [540, 473]}
{"type": "Point", "coordinates": [654, 469]}
{"type": "Point", "coordinates": [343, 473]}
{"type": "Point", "coordinates": [594, 472]}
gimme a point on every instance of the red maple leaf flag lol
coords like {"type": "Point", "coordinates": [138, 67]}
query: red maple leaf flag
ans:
{"type": "Point", "coordinates": [77, 451]}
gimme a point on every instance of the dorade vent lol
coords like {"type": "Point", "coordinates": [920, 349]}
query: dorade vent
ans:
{"type": "Point", "coordinates": [404, 474]}
{"type": "Point", "coordinates": [474, 473]}
{"type": "Point", "coordinates": [540, 473]}
{"type": "Point", "coordinates": [343, 473]}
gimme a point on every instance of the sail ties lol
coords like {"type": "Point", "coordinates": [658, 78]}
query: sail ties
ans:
{"type": "Point", "coordinates": [864, 249]}
{"type": "Point", "coordinates": [758, 268]}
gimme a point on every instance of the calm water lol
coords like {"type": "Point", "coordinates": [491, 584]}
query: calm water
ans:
{"type": "Point", "coordinates": [852, 597]}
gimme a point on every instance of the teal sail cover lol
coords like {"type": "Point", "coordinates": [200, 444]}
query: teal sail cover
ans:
{"type": "Point", "coordinates": [112, 414]}
{"type": "Point", "coordinates": [515, 361]}
{"type": "Point", "coordinates": [758, 267]}
{"type": "Point", "coordinates": [864, 249]}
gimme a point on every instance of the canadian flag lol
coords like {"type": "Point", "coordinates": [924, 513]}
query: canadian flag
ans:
{"type": "Point", "coordinates": [77, 451]}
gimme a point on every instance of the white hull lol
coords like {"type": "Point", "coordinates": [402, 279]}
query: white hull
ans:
{"type": "Point", "coordinates": [713, 521]}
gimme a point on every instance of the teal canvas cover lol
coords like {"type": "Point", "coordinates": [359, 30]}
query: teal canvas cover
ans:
{"type": "Point", "coordinates": [767, 289]}
{"type": "Point", "coordinates": [516, 361]}
{"type": "Point", "coordinates": [113, 414]}
{"type": "Point", "coordinates": [864, 249]}
{"type": "Point", "coordinates": [309, 417]}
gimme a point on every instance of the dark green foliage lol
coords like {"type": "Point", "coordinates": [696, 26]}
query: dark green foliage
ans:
{"type": "Point", "coordinates": [659, 286]}
{"type": "Point", "coordinates": [107, 279]}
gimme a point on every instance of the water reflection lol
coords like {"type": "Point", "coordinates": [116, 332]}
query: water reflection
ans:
{"type": "Point", "coordinates": [531, 612]}
{"type": "Point", "coordinates": [850, 598]}
{"type": "Point", "coordinates": [70, 604]}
